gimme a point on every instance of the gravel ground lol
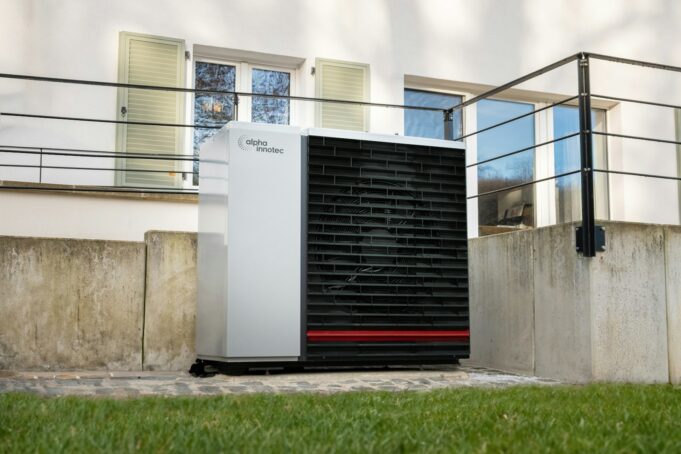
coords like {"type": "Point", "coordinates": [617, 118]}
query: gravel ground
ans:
{"type": "Point", "coordinates": [128, 384]}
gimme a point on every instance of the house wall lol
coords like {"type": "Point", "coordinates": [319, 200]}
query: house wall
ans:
{"type": "Point", "coordinates": [92, 216]}
{"type": "Point", "coordinates": [447, 44]}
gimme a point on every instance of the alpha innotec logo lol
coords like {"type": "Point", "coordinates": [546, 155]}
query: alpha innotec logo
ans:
{"type": "Point", "coordinates": [260, 145]}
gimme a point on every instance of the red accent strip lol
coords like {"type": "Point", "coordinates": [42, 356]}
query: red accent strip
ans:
{"type": "Point", "coordinates": [391, 336]}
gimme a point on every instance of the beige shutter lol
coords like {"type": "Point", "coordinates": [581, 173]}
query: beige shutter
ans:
{"type": "Point", "coordinates": [148, 60]}
{"type": "Point", "coordinates": [342, 80]}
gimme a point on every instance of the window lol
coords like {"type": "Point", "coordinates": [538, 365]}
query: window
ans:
{"type": "Point", "coordinates": [425, 123]}
{"type": "Point", "coordinates": [219, 109]}
{"type": "Point", "coordinates": [567, 159]}
{"type": "Point", "coordinates": [211, 109]}
{"type": "Point", "coordinates": [514, 207]}
{"type": "Point", "coordinates": [150, 60]}
{"type": "Point", "coordinates": [346, 81]}
{"type": "Point", "coordinates": [266, 109]}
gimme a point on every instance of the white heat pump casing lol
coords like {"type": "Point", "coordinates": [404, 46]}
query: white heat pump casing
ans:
{"type": "Point", "coordinates": [250, 244]}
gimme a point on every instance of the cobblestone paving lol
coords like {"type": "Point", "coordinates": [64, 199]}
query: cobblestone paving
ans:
{"type": "Point", "coordinates": [128, 384]}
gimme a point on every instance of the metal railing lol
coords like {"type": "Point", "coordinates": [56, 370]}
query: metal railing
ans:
{"type": "Point", "coordinates": [590, 237]}
{"type": "Point", "coordinates": [589, 234]}
{"type": "Point", "coordinates": [45, 151]}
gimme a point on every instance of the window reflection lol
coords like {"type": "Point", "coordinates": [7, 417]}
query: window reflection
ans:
{"type": "Point", "coordinates": [513, 208]}
{"type": "Point", "coordinates": [425, 123]}
{"type": "Point", "coordinates": [211, 109]}
{"type": "Point", "coordinates": [270, 110]}
{"type": "Point", "coordinates": [567, 159]}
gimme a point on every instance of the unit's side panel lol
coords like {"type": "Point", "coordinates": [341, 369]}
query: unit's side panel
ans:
{"type": "Point", "coordinates": [264, 260]}
{"type": "Point", "coordinates": [303, 244]}
{"type": "Point", "coordinates": [387, 252]}
{"type": "Point", "coordinates": [211, 312]}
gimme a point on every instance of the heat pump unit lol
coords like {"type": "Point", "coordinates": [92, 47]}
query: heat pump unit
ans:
{"type": "Point", "coordinates": [323, 247]}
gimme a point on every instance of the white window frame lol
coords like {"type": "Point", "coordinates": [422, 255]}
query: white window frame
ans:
{"type": "Point", "coordinates": [242, 83]}
{"type": "Point", "coordinates": [464, 96]}
{"type": "Point", "coordinates": [544, 158]}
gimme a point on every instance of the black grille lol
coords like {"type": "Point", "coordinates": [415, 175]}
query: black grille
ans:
{"type": "Point", "coordinates": [386, 249]}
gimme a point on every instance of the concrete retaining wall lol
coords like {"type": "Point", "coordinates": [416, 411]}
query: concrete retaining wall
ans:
{"type": "Point", "coordinates": [84, 304]}
{"type": "Point", "coordinates": [71, 304]}
{"type": "Point", "coordinates": [170, 301]}
{"type": "Point", "coordinates": [537, 307]}
{"type": "Point", "coordinates": [616, 317]}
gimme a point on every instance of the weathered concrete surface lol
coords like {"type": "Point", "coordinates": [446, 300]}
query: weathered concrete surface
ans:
{"type": "Point", "coordinates": [502, 301]}
{"type": "Point", "coordinates": [672, 236]}
{"type": "Point", "coordinates": [562, 347]}
{"type": "Point", "coordinates": [70, 304]}
{"type": "Point", "coordinates": [628, 306]}
{"type": "Point", "coordinates": [615, 317]}
{"type": "Point", "coordinates": [170, 301]}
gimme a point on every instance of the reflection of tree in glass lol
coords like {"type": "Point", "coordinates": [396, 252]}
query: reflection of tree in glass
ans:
{"type": "Point", "coordinates": [270, 110]}
{"type": "Point", "coordinates": [211, 109]}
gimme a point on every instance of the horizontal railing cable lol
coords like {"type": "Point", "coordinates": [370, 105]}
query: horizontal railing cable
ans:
{"type": "Point", "coordinates": [638, 174]}
{"type": "Point", "coordinates": [521, 185]}
{"type": "Point", "coordinates": [85, 150]}
{"type": "Point", "coordinates": [630, 61]}
{"type": "Point", "coordinates": [626, 136]}
{"type": "Point", "coordinates": [210, 91]}
{"type": "Point", "coordinates": [109, 155]}
{"type": "Point", "coordinates": [638, 101]}
{"type": "Point", "coordinates": [101, 120]}
{"type": "Point", "coordinates": [513, 83]}
{"type": "Point", "coordinates": [511, 120]}
{"type": "Point", "coordinates": [505, 155]}
{"type": "Point", "coordinates": [122, 189]}
{"type": "Point", "coordinates": [110, 169]}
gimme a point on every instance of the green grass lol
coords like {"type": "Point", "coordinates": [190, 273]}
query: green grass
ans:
{"type": "Point", "coordinates": [598, 418]}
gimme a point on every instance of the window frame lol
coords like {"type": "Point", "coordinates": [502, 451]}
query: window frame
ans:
{"type": "Point", "coordinates": [247, 82]}
{"type": "Point", "coordinates": [545, 203]}
{"type": "Point", "coordinates": [243, 79]}
{"type": "Point", "coordinates": [461, 94]}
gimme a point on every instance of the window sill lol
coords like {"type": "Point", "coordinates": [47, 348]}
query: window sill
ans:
{"type": "Point", "coordinates": [93, 191]}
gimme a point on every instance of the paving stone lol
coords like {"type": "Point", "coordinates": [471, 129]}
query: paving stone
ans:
{"type": "Point", "coordinates": [161, 383]}
{"type": "Point", "coordinates": [209, 389]}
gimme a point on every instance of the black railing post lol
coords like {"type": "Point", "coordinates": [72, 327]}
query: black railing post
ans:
{"type": "Point", "coordinates": [236, 107]}
{"type": "Point", "coordinates": [587, 233]}
{"type": "Point", "coordinates": [449, 124]}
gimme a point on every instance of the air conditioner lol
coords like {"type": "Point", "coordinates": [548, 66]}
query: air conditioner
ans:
{"type": "Point", "coordinates": [323, 247]}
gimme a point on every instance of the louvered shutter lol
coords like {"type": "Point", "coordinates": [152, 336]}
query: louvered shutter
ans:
{"type": "Point", "coordinates": [347, 81]}
{"type": "Point", "coordinates": [150, 61]}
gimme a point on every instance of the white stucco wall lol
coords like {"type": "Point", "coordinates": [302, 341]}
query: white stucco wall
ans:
{"type": "Point", "coordinates": [67, 215]}
{"type": "Point", "coordinates": [483, 42]}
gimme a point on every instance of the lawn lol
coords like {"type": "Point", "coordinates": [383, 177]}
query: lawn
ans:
{"type": "Point", "coordinates": [597, 418]}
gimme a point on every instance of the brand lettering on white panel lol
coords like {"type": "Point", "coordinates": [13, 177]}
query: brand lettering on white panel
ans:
{"type": "Point", "coordinates": [247, 143]}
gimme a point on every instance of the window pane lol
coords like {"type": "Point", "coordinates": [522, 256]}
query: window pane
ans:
{"type": "Point", "coordinates": [513, 208]}
{"type": "Point", "coordinates": [566, 159]}
{"type": "Point", "coordinates": [211, 109]}
{"type": "Point", "coordinates": [424, 123]}
{"type": "Point", "coordinates": [270, 110]}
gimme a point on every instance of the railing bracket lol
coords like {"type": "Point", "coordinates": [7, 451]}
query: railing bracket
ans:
{"type": "Point", "coordinates": [599, 239]}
